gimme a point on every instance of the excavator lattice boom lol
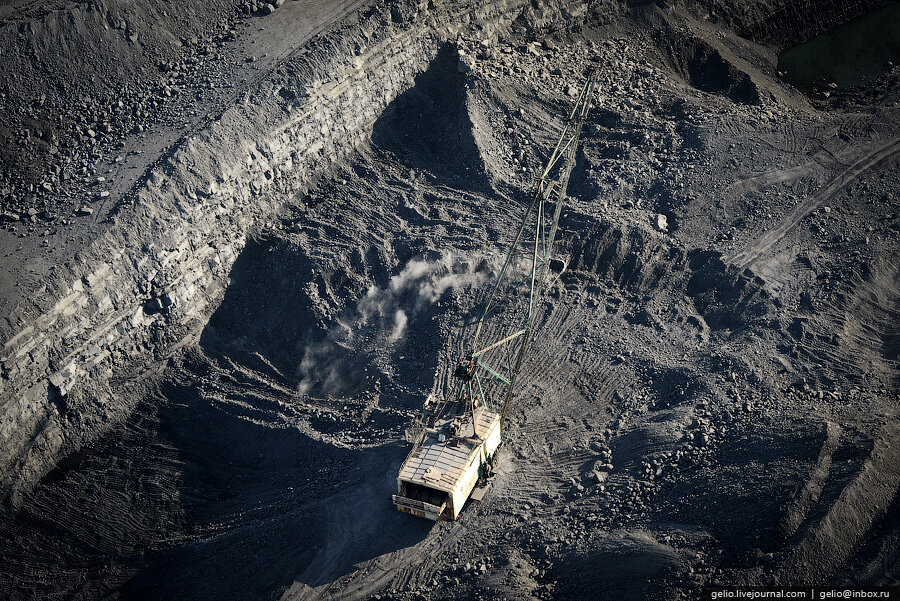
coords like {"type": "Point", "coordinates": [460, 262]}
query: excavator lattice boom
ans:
{"type": "Point", "coordinates": [459, 430]}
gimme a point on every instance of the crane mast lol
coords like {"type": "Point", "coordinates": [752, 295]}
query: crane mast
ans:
{"type": "Point", "coordinates": [500, 341]}
{"type": "Point", "coordinates": [458, 431]}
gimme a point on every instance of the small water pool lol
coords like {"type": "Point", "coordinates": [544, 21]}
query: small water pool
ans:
{"type": "Point", "coordinates": [849, 55]}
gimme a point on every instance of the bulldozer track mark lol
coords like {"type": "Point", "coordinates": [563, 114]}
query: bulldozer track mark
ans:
{"type": "Point", "coordinates": [863, 321]}
{"type": "Point", "coordinates": [866, 499]}
{"type": "Point", "coordinates": [809, 493]}
{"type": "Point", "coordinates": [746, 257]}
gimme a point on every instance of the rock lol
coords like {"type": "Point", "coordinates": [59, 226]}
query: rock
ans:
{"type": "Point", "coordinates": [662, 223]}
{"type": "Point", "coordinates": [465, 63]}
{"type": "Point", "coordinates": [268, 9]}
{"type": "Point", "coordinates": [104, 194]}
{"type": "Point", "coordinates": [64, 379]}
{"type": "Point", "coordinates": [85, 211]}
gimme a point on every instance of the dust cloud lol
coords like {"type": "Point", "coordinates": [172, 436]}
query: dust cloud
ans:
{"type": "Point", "coordinates": [382, 318]}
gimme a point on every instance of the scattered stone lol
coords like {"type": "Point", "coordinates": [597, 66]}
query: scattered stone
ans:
{"type": "Point", "coordinates": [465, 63]}
{"type": "Point", "coordinates": [64, 379]}
{"type": "Point", "coordinates": [662, 223]}
{"type": "Point", "coordinates": [599, 477]}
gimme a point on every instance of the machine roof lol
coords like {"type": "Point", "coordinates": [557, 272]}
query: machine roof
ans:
{"type": "Point", "coordinates": [442, 464]}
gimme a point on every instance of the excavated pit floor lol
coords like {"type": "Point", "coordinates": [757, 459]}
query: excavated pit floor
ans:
{"type": "Point", "coordinates": [689, 415]}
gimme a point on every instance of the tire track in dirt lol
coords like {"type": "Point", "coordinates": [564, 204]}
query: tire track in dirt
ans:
{"type": "Point", "coordinates": [772, 177]}
{"type": "Point", "coordinates": [861, 505]}
{"type": "Point", "coordinates": [808, 496]}
{"type": "Point", "coordinates": [749, 255]}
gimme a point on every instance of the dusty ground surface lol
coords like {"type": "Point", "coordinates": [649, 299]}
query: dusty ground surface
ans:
{"type": "Point", "coordinates": [711, 404]}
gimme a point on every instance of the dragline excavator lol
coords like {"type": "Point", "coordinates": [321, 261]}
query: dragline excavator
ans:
{"type": "Point", "coordinates": [458, 432]}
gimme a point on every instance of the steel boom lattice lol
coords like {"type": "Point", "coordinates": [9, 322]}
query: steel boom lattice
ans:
{"type": "Point", "coordinates": [497, 349]}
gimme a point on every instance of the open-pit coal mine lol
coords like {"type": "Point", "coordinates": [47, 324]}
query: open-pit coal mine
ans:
{"type": "Point", "coordinates": [241, 241]}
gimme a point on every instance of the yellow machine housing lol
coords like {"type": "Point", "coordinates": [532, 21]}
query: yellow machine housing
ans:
{"type": "Point", "coordinates": [440, 472]}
